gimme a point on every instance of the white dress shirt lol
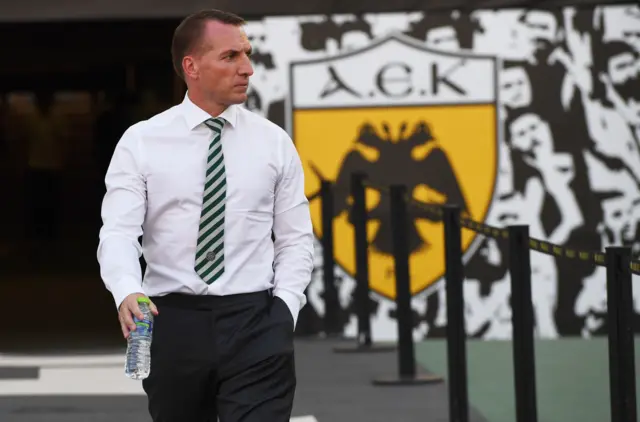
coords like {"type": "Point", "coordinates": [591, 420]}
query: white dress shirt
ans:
{"type": "Point", "coordinates": [155, 187]}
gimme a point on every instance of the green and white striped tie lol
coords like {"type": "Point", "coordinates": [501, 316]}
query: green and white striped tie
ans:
{"type": "Point", "coordinates": [210, 247]}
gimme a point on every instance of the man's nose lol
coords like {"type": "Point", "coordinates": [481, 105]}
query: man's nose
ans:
{"type": "Point", "coordinates": [246, 68]}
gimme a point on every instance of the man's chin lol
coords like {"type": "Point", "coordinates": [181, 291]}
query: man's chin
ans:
{"type": "Point", "coordinates": [238, 98]}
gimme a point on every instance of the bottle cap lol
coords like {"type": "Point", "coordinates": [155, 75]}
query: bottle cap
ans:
{"type": "Point", "coordinates": [143, 299]}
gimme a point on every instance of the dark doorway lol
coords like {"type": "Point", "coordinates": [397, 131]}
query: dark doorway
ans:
{"type": "Point", "coordinates": [69, 91]}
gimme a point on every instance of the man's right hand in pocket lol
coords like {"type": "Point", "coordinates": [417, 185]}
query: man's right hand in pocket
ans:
{"type": "Point", "coordinates": [128, 309]}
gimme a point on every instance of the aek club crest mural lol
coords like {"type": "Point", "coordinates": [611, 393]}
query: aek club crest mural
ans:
{"type": "Point", "coordinates": [521, 117]}
{"type": "Point", "coordinates": [394, 111]}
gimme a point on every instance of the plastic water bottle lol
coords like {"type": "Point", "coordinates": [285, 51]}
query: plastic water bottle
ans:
{"type": "Point", "coordinates": [138, 359]}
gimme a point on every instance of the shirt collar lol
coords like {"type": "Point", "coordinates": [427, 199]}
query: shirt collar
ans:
{"type": "Point", "coordinates": [195, 116]}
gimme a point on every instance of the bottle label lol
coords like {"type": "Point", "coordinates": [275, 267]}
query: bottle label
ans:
{"type": "Point", "coordinates": [144, 327]}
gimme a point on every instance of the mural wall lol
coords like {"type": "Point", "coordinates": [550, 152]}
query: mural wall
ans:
{"type": "Point", "coordinates": [521, 117]}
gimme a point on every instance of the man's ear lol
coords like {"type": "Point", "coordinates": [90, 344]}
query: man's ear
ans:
{"type": "Point", "coordinates": [190, 67]}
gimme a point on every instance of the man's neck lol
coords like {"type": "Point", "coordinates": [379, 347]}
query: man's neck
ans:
{"type": "Point", "coordinates": [212, 108]}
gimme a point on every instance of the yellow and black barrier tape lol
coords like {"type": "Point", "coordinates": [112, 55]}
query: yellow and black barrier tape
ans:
{"type": "Point", "coordinates": [596, 258]}
{"type": "Point", "coordinates": [542, 246]}
{"type": "Point", "coordinates": [484, 229]}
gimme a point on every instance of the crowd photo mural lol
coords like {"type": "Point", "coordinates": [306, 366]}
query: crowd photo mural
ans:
{"type": "Point", "coordinates": [518, 116]}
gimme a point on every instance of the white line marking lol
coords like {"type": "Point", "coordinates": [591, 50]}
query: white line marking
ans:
{"type": "Point", "coordinates": [304, 419]}
{"type": "Point", "coordinates": [67, 361]}
{"type": "Point", "coordinates": [74, 381]}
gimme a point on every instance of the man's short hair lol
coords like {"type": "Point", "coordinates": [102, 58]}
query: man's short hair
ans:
{"type": "Point", "coordinates": [186, 37]}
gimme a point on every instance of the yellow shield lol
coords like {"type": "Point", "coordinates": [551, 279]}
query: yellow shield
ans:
{"type": "Point", "coordinates": [403, 114]}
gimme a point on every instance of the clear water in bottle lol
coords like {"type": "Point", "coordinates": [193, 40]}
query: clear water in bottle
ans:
{"type": "Point", "coordinates": [138, 358]}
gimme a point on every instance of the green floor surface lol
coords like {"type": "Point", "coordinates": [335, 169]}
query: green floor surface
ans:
{"type": "Point", "coordinates": [572, 377]}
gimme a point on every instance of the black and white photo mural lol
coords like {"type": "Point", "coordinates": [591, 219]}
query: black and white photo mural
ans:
{"type": "Point", "coordinates": [521, 117]}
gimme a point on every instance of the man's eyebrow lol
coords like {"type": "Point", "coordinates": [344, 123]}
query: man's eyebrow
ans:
{"type": "Point", "coordinates": [228, 52]}
{"type": "Point", "coordinates": [234, 51]}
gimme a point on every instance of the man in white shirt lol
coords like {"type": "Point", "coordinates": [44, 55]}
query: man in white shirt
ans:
{"type": "Point", "coordinates": [208, 183]}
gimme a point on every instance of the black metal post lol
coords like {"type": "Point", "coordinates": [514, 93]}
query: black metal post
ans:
{"type": "Point", "coordinates": [363, 300]}
{"type": "Point", "coordinates": [360, 218]}
{"type": "Point", "coordinates": [404, 315]}
{"type": "Point", "coordinates": [456, 332]}
{"type": "Point", "coordinates": [522, 323]}
{"type": "Point", "coordinates": [331, 304]}
{"type": "Point", "coordinates": [622, 373]}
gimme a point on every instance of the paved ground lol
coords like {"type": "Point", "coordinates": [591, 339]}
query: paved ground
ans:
{"type": "Point", "coordinates": [338, 388]}
{"type": "Point", "coordinates": [332, 388]}
{"type": "Point", "coordinates": [572, 384]}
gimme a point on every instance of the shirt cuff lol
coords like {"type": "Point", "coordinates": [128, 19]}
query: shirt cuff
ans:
{"type": "Point", "coordinates": [124, 288]}
{"type": "Point", "coordinates": [292, 301]}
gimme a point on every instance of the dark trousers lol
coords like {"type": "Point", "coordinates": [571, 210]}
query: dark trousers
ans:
{"type": "Point", "coordinates": [226, 357]}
